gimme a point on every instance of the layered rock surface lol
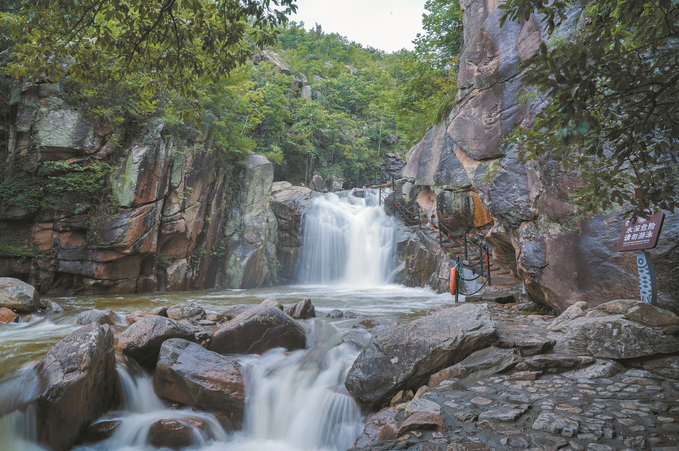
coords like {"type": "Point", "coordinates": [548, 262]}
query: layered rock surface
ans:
{"type": "Point", "coordinates": [289, 204]}
{"type": "Point", "coordinates": [176, 219]}
{"type": "Point", "coordinates": [77, 379]}
{"type": "Point", "coordinates": [474, 179]}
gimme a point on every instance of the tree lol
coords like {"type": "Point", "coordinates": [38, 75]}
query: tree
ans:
{"type": "Point", "coordinates": [428, 74]}
{"type": "Point", "coordinates": [612, 99]}
{"type": "Point", "coordinates": [178, 43]}
{"type": "Point", "coordinates": [442, 41]}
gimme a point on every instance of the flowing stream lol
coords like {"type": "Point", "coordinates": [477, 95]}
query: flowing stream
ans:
{"type": "Point", "coordinates": [295, 401]}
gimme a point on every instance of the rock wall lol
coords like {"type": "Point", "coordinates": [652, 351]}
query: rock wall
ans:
{"type": "Point", "coordinates": [171, 218]}
{"type": "Point", "coordinates": [562, 255]}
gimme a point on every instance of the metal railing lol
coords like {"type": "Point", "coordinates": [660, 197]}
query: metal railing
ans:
{"type": "Point", "coordinates": [476, 255]}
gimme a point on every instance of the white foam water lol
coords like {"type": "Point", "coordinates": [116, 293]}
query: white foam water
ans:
{"type": "Point", "coordinates": [347, 240]}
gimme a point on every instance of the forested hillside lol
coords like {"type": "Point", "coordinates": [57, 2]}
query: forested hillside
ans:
{"type": "Point", "coordinates": [359, 104]}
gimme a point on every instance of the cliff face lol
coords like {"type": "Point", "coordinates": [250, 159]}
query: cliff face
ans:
{"type": "Point", "coordinates": [143, 216]}
{"type": "Point", "coordinates": [562, 255]}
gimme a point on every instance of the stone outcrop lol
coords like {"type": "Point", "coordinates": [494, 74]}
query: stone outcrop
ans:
{"type": "Point", "coordinates": [257, 330]}
{"type": "Point", "coordinates": [407, 355]}
{"type": "Point", "coordinates": [190, 374]}
{"type": "Point", "coordinates": [18, 295]}
{"type": "Point", "coordinates": [304, 309]}
{"type": "Point", "coordinates": [470, 178]}
{"type": "Point", "coordinates": [100, 317]}
{"type": "Point", "coordinates": [250, 231]}
{"type": "Point", "coordinates": [185, 310]}
{"type": "Point", "coordinates": [143, 339]}
{"type": "Point", "coordinates": [618, 330]}
{"type": "Point", "coordinates": [480, 364]}
{"type": "Point", "coordinates": [289, 204]}
{"type": "Point", "coordinates": [78, 376]}
{"type": "Point", "coordinates": [171, 217]}
{"type": "Point", "coordinates": [7, 316]}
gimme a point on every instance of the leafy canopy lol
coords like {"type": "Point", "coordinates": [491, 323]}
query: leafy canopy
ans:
{"type": "Point", "coordinates": [178, 44]}
{"type": "Point", "coordinates": [611, 94]}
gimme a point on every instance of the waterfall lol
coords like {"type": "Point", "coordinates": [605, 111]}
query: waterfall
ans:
{"type": "Point", "coordinates": [17, 416]}
{"type": "Point", "coordinates": [299, 400]}
{"type": "Point", "coordinates": [347, 240]}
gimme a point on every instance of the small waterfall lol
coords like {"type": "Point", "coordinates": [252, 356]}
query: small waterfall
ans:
{"type": "Point", "coordinates": [17, 416]}
{"type": "Point", "coordinates": [299, 399]}
{"type": "Point", "coordinates": [141, 408]}
{"type": "Point", "coordinates": [347, 240]}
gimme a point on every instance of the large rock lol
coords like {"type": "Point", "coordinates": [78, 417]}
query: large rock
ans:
{"type": "Point", "coordinates": [479, 365]}
{"type": "Point", "coordinates": [143, 339]}
{"type": "Point", "coordinates": [18, 296]}
{"type": "Point", "coordinates": [79, 378]}
{"type": "Point", "coordinates": [561, 254]}
{"type": "Point", "coordinates": [405, 357]}
{"type": "Point", "coordinates": [665, 366]}
{"type": "Point", "coordinates": [257, 330]}
{"type": "Point", "coordinates": [289, 205]}
{"type": "Point", "coordinates": [190, 374]}
{"type": "Point", "coordinates": [619, 330]}
{"type": "Point", "coordinates": [250, 251]}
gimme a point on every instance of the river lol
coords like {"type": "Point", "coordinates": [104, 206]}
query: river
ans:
{"type": "Point", "coordinates": [295, 401]}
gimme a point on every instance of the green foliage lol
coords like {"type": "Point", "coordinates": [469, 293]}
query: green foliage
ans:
{"type": "Point", "coordinates": [428, 76]}
{"type": "Point", "coordinates": [442, 42]}
{"type": "Point", "coordinates": [179, 45]}
{"type": "Point", "coordinates": [28, 191]}
{"type": "Point", "coordinates": [613, 90]}
{"type": "Point", "coordinates": [17, 243]}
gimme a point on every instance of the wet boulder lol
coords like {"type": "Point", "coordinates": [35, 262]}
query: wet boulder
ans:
{"type": "Point", "coordinates": [185, 310]}
{"type": "Point", "coordinates": [49, 306]}
{"type": "Point", "coordinates": [304, 309]}
{"type": "Point", "coordinates": [405, 356]}
{"type": "Point", "coordinates": [257, 330]}
{"type": "Point", "coordinates": [234, 312]}
{"type": "Point", "coordinates": [7, 316]}
{"type": "Point", "coordinates": [101, 430]}
{"type": "Point", "coordinates": [372, 432]}
{"type": "Point", "coordinates": [101, 317]}
{"type": "Point", "coordinates": [18, 296]}
{"type": "Point", "coordinates": [422, 420]}
{"type": "Point", "coordinates": [190, 374]}
{"type": "Point", "coordinates": [143, 339]}
{"type": "Point", "coordinates": [175, 434]}
{"type": "Point", "coordinates": [139, 314]}
{"type": "Point", "coordinates": [335, 314]}
{"type": "Point", "coordinates": [79, 378]}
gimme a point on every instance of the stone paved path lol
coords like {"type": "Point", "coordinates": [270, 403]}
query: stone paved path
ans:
{"type": "Point", "coordinates": [548, 401]}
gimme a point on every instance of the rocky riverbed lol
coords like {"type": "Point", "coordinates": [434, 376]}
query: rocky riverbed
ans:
{"type": "Point", "coordinates": [470, 376]}
{"type": "Point", "coordinates": [514, 396]}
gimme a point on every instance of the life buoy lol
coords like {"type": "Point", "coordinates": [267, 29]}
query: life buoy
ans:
{"type": "Point", "coordinates": [453, 280]}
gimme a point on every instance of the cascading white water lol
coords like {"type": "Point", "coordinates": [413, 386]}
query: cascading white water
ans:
{"type": "Point", "coordinates": [17, 417]}
{"type": "Point", "coordinates": [299, 400]}
{"type": "Point", "coordinates": [347, 240]}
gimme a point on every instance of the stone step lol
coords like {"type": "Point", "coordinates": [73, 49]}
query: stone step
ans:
{"type": "Point", "coordinates": [499, 298]}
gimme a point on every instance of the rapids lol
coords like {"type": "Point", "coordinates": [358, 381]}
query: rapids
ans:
{"type": "Point", "coordinates": [295, 401]}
